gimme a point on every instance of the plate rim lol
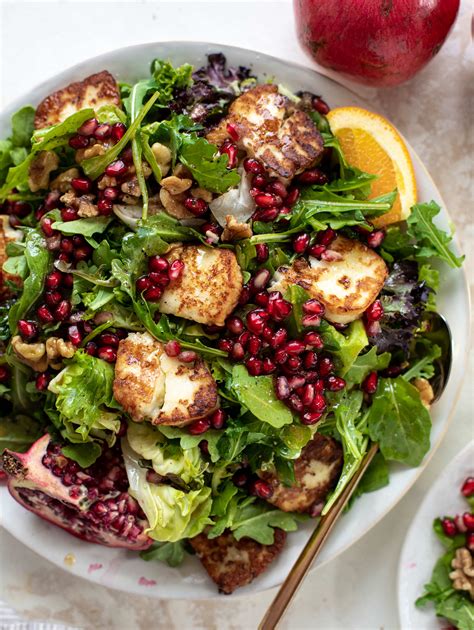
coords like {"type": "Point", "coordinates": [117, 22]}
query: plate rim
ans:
{"type": "Point", "coordinates": [42, 86]}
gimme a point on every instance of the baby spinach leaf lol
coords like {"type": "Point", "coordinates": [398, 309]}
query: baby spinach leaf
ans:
{"type": "Point", "coordinates": [399, 422]}
{"type": "Point", "coordinates": [84, 454]}
{"type": "Point", "coordinates": [22, 126]}
{"type": "Point", "coordinates": [375, 477]}
{"type": "Point", "coordinates": [257, 394]}
{"type": "Point", "coordinates": [86, 227]}
{"type": "Point", "coordinates": [430, 241]}
{"type": "Point", "coordinates": [209, 168]}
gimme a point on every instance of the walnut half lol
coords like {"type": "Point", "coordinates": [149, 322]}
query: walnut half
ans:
{"type": "Point", "coordinates": [463, 574]}
{"type": "Point", "coordinates": [40, 169]}
{"type": "Point", "coordinates": [58, 349]}
{"type": "Point", "coordinates": [31, 354]}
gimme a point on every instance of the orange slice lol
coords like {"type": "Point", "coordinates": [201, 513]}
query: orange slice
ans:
{"type": "Point", "coordinates": [372, 144]}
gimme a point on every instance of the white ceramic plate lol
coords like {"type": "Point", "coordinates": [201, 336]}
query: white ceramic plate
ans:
{"type": "Point", "coordinates": [124, 570]}
{"type": "Point", "coordinates": [422, 549]}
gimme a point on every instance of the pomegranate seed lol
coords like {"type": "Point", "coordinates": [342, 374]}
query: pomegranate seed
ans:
{"type": "Point", "coordinates": [375, 312]}
{"type": "Point", "coordinates": [255, 323]}
{"type": "Point", "coordinates": [318, 404]}
{"type": "Point", "coordinates": [78, 142]}
{"type": "Point", "coordinates": [277, 188]}
{"type": "Point", "coordinates": [320, 106]}
{"type": "Point", "coordinates": [51, 200]}
{"type": "Point", "coordinates": [105, 207]}
{"type": "Point", "coordinates": [46, 226]}
{"type": "Point", "coordinates": [228, 148]}
{"type": "Point", "coordinates": [319, 386]}
{"type": "Point", "coordinates": [153, 294]}
{"type": "Point", "coordinates": [326, 366]}
{"type": "Point", "coordinates": [326, 237]}
{"type": "Point", "coordinates": [261, 298]}
{"type": "Point", "coordinates": [449, 527]}
{"type": "Point", "coordinates": [28, 329]}
{"type": "Point", "coordinates": [88, 128]}
{"type": "Point", "coordinates": [311, 417]}
{"type": "Point", "coordinates": [69, 214]}
{"type": "Point", "coordinates": [143, 283]}
{"type": "Point", "coordinates": [74, 335]}
{"type": "Point", "coordinates": [329, 255]}
{"type": "Point", "coordinates": [107, 354]}
{"type": "Point", "coordinates": [460, 524]}
{"type": "Point", "coordinates": [316, 251]}
{"type": "Point", "coordinates": [370, 383]}
{"type": "Point", "coordinates": [64, 257]}
{"type": "Point", "coordinates": [173, 348]}
{"type": "Point", "coordinates": [21, 209]}
{"type": "Point", "coordinates": [102, 132]}
{"type": "Point", "coordinates": [218, 419]}
{"type": "Point", "coordinates": [281, 356]}
{"type": "Point", "coordinates": [225, 344]}
{"type": "Point", "coordinates": [261, 489]}
{"type": "Point", "coordinates": [118, 168]}
{"type": "Point", "coordinates": [62, 310]}
{"type": "Point", "coordinates": [260, 280]}
{"type": "Point", "coordinates": [187, 356]}
{"type": "Point", "coordinates": [254, 345]}
{"type": "Point", "coordinates": [204, 447]}
{"type": "Point", "coordinates": [308, 394]}
{"type": "Point", "coordinates": [4, 374]}
{"type": "Point", "coordinates": [268, 200]}
{"type": "Point", "coordinates": [335, 383]}
{"type": "Point", "coordinates": [311, 320]}
{"type": "Point", "coordinates": [254, 366]}
{"type": "Point", "coordinates": [45, 314]}
{"type": "Point", "coordinates": [40, 212]}
{"type": "Point", "coordinates": [251, 165]}
{"type": "Point", "coordinates": [297, 382]}
{"type": "Point", "coordinates": [232, 131]}
{"type": "Point", "coordinates": [237, 352]}
{"type": "Point", "coordinates": [293, 363]}
{"type": "Point", "coordinates": [468, 487]}
{"type": "Point", "coordinates": [282, 388]}
{"type": "Point", "coordinates": [66, 245]}
{"type": "Point", "coordinates": [292, 196]}
{"type": "Point", "coordinates": [375, 239]}
{"type": "Point", "coordinates": [262, 252]}
{"type": "Point", "coordinates": [295, 403]}
{"type": "Point", "coordinates": [159, 279]}
{"type": "Point", "coordinates": [91, 348]}
{"type": "Point", "coordinates": [197, 206]}
{"type": "Point", "coordinates": [240, 478]}
{"type": "Point", "coordinates": [199, 426]}
{"type": "Point", "coordinates": [67, 280]}
{"type": "Point", "coordinates": [300, 243]}
{"type": "Point", "coordinates": [470, 541]}
{"type": "Point", "coordinates": [372, 328]}
{"type": "Point", "coordinates": [118, 131]}
{"type": "Point", "coordinates": [258, 182]}
{"type": "Point", "coordinates": [313, 176]}
{"type": "Point", "coordinates": [176, 269]}
{"type": "Point", "coordinates": [243, 338]}
{"type": "Point", "coordinates": [468, 520]}
{"type": "Point", "coordinates": [313, 307]}
{"type": "Point", "coordinates": [81, 184]}
{"type": "Point", "coordinates": [267, 334]}
{"type": "Point", "coordinates": [244, 296]}
{"type": "Point", "coordinates": [234, 325]}
{"type": "Point", "coordinates": [42, 381]}
{"type": "Point", "coordinates": [294, 347]}
{"type": "Point", "coordinates": [278, 308]}
{"type": "Point", "coordinates": [110, 193]}
{"type": "Point", "coordinates": [265, 215]}
{"type": "Point", "coordinates": [109, 339]}
{"type": "Point", "coordinates": [313, 339]}
{"type": "Point", "coordinates": [268, 366]}
{"type": "Point", "coordinates": [82, 253]}
{"type": "Point", "coordinates": [310, 360]}
{"type": "Point", "coordinates": [278, 338]}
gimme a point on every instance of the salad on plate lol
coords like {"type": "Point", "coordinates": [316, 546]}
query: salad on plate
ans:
{"type": "Point", "coordinates": [214, 296]}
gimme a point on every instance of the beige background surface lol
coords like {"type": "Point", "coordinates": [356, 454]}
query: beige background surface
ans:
{"type": "Point", "coordinates": [435, 111]}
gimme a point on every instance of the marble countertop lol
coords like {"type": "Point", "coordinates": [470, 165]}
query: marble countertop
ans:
{"type": "Point", "coordinates": [358, 589]}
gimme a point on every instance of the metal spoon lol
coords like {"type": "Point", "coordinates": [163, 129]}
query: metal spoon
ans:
{"type": "Point", "coordinates": [437, 330]}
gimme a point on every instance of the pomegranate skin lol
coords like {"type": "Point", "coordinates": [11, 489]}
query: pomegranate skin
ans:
{"type": "Point", "coordinates": [376, 42]}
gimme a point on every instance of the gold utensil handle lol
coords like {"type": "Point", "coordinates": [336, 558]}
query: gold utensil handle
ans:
{"type": "Point", "coordinates": [312, 548]}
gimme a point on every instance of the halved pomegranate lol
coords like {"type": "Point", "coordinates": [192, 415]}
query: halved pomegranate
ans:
{"type": "Point", "coordinates": [90, 503]}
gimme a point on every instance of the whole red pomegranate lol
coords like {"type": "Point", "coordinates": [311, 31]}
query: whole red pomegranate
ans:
{"type": "Point", "coordinates": [90, 503]}
{"type": "Point", "coordinates": [377, 42]}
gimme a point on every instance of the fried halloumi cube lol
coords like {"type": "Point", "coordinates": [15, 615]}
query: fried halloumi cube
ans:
{"type": "Point", "coordinates": [7, 235]}
{"type": "Point", "coordinates": [316, 472]}
{"type": "Point", "coordinates": [209, 287]}
{"type": "Point", "coordinates": [346, 286]}
{"type": "Point", "coordinates": [234, 563]}
{"type": "Point", "coordinates": [150, 385]}
{"type": "Point", "coordinates": [94, 91]}
{"type": "Point", "coordinates": [284, 139]}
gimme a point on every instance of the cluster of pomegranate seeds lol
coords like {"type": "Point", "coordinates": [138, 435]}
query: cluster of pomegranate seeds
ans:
{"type": "Point", "coordinates": [92, 131]}
{"type": "Point", "coordinates": [105, 345]}
{"type": "Point", "coordinates": [372, 317]}
{"type": "Point", "coordinates": [462, 523]}
{"type": "Point", "coordinates": [17, 210]}
{"type": "Point", "coordinates": [244, 479]}
{"type": "Point", "coordinates": [160, 274]}
{"type": "Point", "coordinates": [215, 420]}
{"type": "Point", "coordinates": [196, 205]}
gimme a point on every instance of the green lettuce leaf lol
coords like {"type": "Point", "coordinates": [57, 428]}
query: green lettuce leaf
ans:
{"type": "Point", "coordinates": [209, 168]}
{"type": "Point", "coordinates": [399, 422]}
{"type": "Point", "coordinates": [84, 454]}
{"type": "Point", "coordinates": [18, 433]}
{"type": "Point", "coordinates": [173, 553]}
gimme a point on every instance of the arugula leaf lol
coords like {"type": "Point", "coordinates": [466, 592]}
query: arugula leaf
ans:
{"type": "Point", "coordinates": [86, 227]}
{"type": "Point", "coordinates": [23, 126]}
{"type": "Point", "coordinates": [84, 454]}
{"type": "Point", "coordinates": [423, 367]}
{"type": "Point", "coordinates": [257, 394]}
{"type": "Point", "coordinates": [209, 168]}
{"type": "Point", "coordinates": [375, 477]}
{"type": "Point", "coordinates": [365, 363]}
{"type": "Point", "coordinates": [430, 240]}
{"type": "Point", "coordinates": [399, 422]}
{"type": "Point", "coordinates": [173, 553]}
{"type": "Point", "coordinates": [38, 260]}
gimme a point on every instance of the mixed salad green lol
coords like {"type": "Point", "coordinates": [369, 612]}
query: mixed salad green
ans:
{"type": "Point", "coordinates": [184, 479]}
